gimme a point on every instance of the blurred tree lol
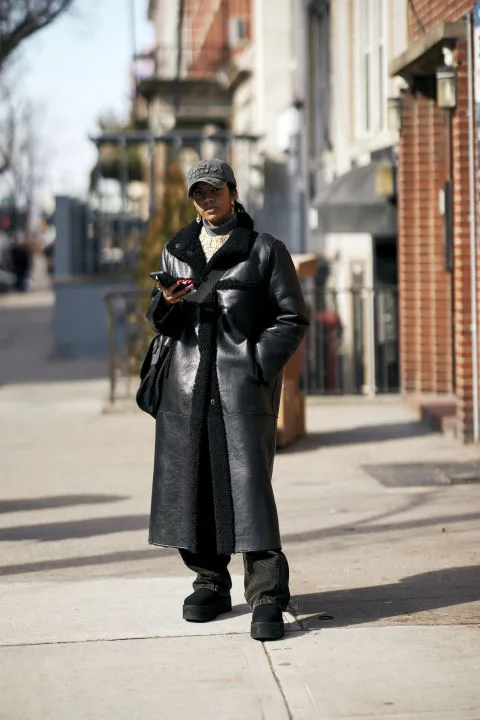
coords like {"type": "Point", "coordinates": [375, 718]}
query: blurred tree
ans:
{"type": "Point", "coordinates": [20, 20]}
{"type": "Point", "coordinates": [7, 126]}
{"type": "Point", "coordinates": [23, 149]}
{"type": "Point", "coordinates": [175, 212]}
{"type": "Point", "coordinates": [28, 159]}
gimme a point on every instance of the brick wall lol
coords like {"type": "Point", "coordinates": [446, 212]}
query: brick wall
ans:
{"type": "Point", "coordinates": [424, 284]}
{"type": "Point", "coordinates": [462, 272]}
{"type": "Point", "coordinates": [209, 29]}
{"type": "Point", "coordinates": [428, 13]}
{"type": "Point", "coordinates": [428, 351]}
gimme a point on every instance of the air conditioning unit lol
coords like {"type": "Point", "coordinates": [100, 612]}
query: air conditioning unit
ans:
{"type": "Point", "coordinates": [238, 32]}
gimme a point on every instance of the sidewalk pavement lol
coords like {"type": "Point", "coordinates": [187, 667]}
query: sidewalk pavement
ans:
{"type": "Point", "coordinates": [383, 548]}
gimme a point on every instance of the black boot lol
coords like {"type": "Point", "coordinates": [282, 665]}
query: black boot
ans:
{"type": "Point", "coordinates": [267, 623]}
{"type": "Point", "coordinates": [204, 605]}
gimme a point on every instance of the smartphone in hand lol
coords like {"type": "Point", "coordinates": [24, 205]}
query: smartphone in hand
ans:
{"type": "Point", "coordinates": [185, 284]}
{"type": "Point", "coordinates": [161, 277]}
{"type": "Point", "coordinates": [182, 284]}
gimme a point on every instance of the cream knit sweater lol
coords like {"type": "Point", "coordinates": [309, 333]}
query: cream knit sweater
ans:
{"type": "Point", "coordinates": [212, 243]}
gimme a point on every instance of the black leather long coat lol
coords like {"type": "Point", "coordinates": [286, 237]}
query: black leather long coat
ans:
{"type": "Point", "coordinates": [222, 390]}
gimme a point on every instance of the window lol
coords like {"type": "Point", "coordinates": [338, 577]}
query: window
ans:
{"type": "Point", "coordinates": [238, 31]}
{"type": "Point", "coordinates": [319, 75]}
{"type": "Point", "coordinates": [366, 64]}
{"type": "Point", "coordinates": [382, 65]}
{"type": "Point", "coordinates": [372, 77]}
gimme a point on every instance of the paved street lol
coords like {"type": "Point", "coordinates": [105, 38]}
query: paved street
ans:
{"type": "Point", "coordinates": [384, 562]}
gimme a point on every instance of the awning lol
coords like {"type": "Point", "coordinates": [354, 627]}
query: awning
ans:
{"type": "Point", "coordinates": [424, 56]}
{"type": "Point", "coordinates": [360, 201]}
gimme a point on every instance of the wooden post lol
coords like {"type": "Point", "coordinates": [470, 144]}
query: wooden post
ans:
{"type": "Point", "coordinates": [291, 416]}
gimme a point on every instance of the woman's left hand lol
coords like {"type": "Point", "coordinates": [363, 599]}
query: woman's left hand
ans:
{"type": "Point", "coordinates": [170, 295]}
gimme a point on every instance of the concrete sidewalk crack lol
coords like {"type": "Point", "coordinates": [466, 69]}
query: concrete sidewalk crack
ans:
{"type": "Point", "coordinates": [279, 684]}
{"type": "Point", "coordinates": [110, 640]}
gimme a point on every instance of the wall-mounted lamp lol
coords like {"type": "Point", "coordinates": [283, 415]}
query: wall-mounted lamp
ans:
{"type": "Point", "coordinates": [446, 77]}
{"type": "Point", "coordinates": [394, 116]}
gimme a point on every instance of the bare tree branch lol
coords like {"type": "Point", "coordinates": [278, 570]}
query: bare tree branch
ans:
{"type": "Point", "coordinates": [7, 128]}
{"type": "Point", "coordinates": [23, 147]}
{"type": "Point", "coordinates": [20, 20]}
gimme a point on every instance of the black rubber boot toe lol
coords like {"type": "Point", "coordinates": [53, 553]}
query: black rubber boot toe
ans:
{"type": "Point", "coordinates": [205, 605]}
{"type": "Point", "coordinates": [267, 623]}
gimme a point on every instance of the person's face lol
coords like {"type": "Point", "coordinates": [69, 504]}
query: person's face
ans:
{"type": "Point", "coordinates": [215, 205]}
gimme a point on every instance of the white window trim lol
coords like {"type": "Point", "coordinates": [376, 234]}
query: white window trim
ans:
{"type": "Point", "coordinates": [378, 36]}
{"type": "Point", "coordinates": [234, 23]}
{"type": "Point", "coordinates": [383, 43]}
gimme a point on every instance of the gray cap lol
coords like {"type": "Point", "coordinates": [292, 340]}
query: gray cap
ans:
{"type": "Point", "coordinates": [214, 172]}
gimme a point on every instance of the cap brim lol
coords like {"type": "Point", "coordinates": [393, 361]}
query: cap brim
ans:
{"type": "Point", "coordinates": [215, 182]}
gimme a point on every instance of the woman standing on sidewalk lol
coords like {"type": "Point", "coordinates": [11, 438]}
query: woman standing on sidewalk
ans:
{"type": "Point", "coordinates": [216, 426]}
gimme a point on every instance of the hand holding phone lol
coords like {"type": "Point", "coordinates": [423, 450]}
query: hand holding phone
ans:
{"type": "Point", "coordinates": [174, 293]}
{"type": "Point", "coordinates": [182, 286]}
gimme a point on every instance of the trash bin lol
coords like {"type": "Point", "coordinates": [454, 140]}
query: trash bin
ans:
{"type": "Point", "coordinates": [291, 416]}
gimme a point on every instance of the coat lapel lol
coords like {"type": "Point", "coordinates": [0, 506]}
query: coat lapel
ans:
{"type": "Point", "coordinates": [186, 246]}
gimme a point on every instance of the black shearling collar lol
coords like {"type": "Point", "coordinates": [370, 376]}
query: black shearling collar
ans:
{"type": "Point", "coordinates": [186, 246]}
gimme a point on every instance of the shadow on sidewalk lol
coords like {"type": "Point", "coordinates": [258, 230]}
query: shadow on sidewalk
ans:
{"type": "Point", "coordinates": [56, 501]}
{"type": "Point", "coordinates": [110, 525]}
{"type": "Point", "coordinates": [87, 561]}
{"type": "Point", "coordinates": [363, 528]}
{"type": "Point", "coordinates": [417, 593]}
{"type": "Point", "coordinates": [90, 527]}
{"type": "Point", "coordinates": [358, 435]}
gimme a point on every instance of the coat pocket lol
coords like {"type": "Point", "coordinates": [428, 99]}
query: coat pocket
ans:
{"type": "Point", "coordinates": [255, 369]}
{"type": "Point", "coordinates": [276, 391]}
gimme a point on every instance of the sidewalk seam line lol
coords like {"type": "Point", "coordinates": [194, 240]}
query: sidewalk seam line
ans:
{"type": "Point", "coordinates": [278, 683]}
{"type": "Point", "coordinates": [123, 639]}
{"type": "Point", "coordinates": [291, 633]}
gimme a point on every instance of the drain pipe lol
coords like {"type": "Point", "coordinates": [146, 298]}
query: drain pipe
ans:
{"type": "Point", "coordinates": [473, 233]}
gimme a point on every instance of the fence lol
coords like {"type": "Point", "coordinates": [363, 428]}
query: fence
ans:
{"type": "Point", "coordinates": [128, 338]}
{"type": "Point", "coordinates": [351, 345]}
{"type": "Point", "coordinates": [93, 242]}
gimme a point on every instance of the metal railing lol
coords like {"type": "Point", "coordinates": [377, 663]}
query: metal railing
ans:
{"type": "Point", "coordinates": [128, 339]}
{"type": "Point", "coordinates": [113, 241]}
{"type": "Point", "coordinates": [351, 345]}
{"type": "Point", "coordinates": [100, 243]}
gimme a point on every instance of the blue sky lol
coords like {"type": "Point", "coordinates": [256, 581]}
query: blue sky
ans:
{"type": "Point", "coordinates": [77, 69]}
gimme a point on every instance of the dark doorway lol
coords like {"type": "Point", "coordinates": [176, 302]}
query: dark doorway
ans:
{"type": "Point", "coordinates": [387, 374]}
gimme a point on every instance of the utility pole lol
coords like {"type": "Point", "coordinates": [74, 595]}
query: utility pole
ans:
{"type": "Point", "coordinates": [133, 41]}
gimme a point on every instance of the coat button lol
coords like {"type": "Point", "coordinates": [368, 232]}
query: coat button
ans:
{"type": "Point", "coordinates": [212, 402]}
{"type": "Point", "coordinates": [177, 245]}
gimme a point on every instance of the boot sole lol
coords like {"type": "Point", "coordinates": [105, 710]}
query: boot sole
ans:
{"type": "Point", "coordinates": [267, 631]}
{"type": "Point", "coordinates": [199, 613]}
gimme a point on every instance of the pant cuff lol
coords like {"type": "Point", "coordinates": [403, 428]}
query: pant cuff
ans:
{"type": "Point", "coordinates": [211, 586]}
{"type": "Point", "coordinates": [269, 601]}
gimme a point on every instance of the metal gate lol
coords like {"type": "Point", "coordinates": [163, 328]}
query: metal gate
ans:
{"type": "Point", "coordinates": [352, 345]}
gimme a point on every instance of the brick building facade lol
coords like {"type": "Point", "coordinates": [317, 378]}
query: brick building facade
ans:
{"type": "Point", "coordinates": [435, 293]}
{"type": "Point", "coordinates": [215, 30]}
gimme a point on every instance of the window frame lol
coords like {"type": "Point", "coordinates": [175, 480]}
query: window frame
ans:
{"type": "Point", "coordinates": [371, 60]}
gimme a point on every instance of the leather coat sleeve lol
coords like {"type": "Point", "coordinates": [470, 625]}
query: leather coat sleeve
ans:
{"type": "Point", "coordinates": [288, 315]}
{"type": "Point", "coordinates": [164, 318]}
